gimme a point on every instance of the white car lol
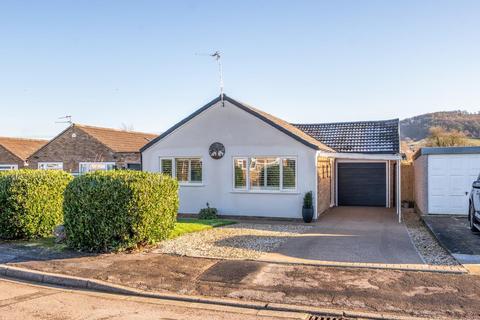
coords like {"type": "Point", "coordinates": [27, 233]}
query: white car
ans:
{"type": "Point", "coordinates": [474, 206]}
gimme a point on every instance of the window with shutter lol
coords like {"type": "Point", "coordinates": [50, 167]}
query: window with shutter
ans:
{"type": "Point", "coordinates": [265, 174]}
{"type": "Point", "coordinates": [185, 170]}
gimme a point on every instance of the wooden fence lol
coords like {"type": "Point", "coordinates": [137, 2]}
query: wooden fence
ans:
{"type": "Point", "coordinates": [407, 181]}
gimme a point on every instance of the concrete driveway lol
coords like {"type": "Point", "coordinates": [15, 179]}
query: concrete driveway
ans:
{"type": "Point", "coordinates": [351, 235]}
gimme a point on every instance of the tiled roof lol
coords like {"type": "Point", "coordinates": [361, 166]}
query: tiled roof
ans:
{"type": "Point", "coordinates": [357, 137]}
{"type": "Point", "coordinates": [22, 148]}
{"type": "Point", "coordinates": [118, 140]}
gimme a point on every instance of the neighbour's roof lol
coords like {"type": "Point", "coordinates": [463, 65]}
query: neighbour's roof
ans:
{"type": "Point", "coordinates": [445, 150]}
{"type": "Point", "coordinates": [381, 137]}
{"type": "Point", "coordinates": [118, 140]}
{"type": "Point", "coordinates": [277, 123]}
{"type": "Point", "coordinates": [20, 147]}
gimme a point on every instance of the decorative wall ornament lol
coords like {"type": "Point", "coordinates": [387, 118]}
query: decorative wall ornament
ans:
{"type": "Point", "coordinates": [216, 150]}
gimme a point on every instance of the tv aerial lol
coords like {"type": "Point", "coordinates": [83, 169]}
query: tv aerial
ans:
{"type": "Point", "coordinates": [217, 55]}
{"type": "Point", "coordinates": [65, 119]}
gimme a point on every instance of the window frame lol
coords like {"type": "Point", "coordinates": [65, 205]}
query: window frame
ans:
{"type": "Point", "coordinates": [94, 162]}
{"type": "Point", "coordinates": [11, 166]}
{"type": "Point", "coordinates": [247, 174]}
{"type": "Point", "coordinates": [127, 166]}
{"type": "Point", "coordinates": [174, 169]}
{"type": "Point", "coordinates": [40, 164]}
{"type": "Point", "coordinates": [248, 187]}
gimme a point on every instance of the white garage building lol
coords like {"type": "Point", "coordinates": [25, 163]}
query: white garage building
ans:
{"type": "Point", "coordinates": [444, 177]}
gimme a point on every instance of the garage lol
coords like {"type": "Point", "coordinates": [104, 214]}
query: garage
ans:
{"type": "Point", "coordinates": [362, 184]}
{"type": "Point", "coordinates": [444, 177]}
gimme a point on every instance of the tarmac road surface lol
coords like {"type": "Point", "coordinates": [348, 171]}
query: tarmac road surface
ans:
{"type": "Point", "coordinates": [20, 300]}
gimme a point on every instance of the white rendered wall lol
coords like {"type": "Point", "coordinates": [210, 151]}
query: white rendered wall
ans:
{"type": "Point", "coordinates": [242, 134]}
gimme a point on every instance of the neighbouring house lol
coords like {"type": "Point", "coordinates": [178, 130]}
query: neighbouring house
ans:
{"type": "Point", "coordinates": [246, 162]}
{"type": "Point", "coordinates": [80, 149]}
{"type": "Point", "coordinates": [15, 151]}
{"type": "Point", "coordinates": [444, 177]}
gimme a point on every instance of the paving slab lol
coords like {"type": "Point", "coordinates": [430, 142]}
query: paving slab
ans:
{"type": "Point", "coordinates": [454, 235]}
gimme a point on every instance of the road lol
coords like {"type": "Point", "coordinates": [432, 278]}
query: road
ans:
{"type": "Point", "coordinates": [19, 300]}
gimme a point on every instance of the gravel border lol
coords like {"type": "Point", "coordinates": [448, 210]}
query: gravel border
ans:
{"type": "Point", "coordinates": [238, 241]}
{"type": "Point", "coordinates": [425, 243]}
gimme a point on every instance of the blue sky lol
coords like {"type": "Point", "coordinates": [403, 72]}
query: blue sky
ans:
{"type": "Point", "coordinates": [134, 62]}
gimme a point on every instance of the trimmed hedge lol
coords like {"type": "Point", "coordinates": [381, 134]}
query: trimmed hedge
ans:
{"type": "Point", "coordinates": [31, 202]}
{"type": "Point", "coordinates": [117, 210]}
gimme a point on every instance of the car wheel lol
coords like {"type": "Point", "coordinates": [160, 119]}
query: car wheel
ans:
{"type": "Point", "coordinates": [471, 218]}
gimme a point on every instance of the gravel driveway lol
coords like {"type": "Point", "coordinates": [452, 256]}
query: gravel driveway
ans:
{"type": "Point", "coordinates": [239, 241]}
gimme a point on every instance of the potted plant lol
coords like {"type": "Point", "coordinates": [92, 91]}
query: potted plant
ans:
{"type": "Point", "coordinates": [307, 209]}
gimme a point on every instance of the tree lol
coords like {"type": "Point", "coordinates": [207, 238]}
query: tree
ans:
{"type": "Point", "coordinates": [126, 127]}
{"type": "Point", "coordinates": [440, 137]}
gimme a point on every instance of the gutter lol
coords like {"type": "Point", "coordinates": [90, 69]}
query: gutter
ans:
{"type": "Point", "coordinates": [360, 156]}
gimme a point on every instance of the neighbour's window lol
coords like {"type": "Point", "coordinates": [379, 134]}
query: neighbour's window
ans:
{"type": "Point", "coordinates": [134, 166]}
{"type": "Point", "coordinates": [5, 167]}
{"type": "Point", "coordinates": [186, 170]}
{"type": "Point", "coordinates": [264, 174]}
{"type": "Point", "coordinates": [50, 165]}
{"type": "Point", "coordinates": [96, 166]}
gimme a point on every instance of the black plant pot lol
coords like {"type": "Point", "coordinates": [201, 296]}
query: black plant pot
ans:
{"type": "Point", "coordinates": [307, 214]}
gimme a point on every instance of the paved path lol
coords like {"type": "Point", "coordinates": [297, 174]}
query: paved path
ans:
{"type": "Point", "coordinates": [25, 301]}
{"type": "Point", "coordinates": [455, 235]}
{"type": "Point", "coordinates": [351, 234]}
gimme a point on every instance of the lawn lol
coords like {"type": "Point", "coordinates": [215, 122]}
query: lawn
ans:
{"type": "Point", "coordinates": [186, 225]}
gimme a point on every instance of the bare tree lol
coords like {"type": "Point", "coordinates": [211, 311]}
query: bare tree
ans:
{"type": "Point", "coordinates": [126, 127]}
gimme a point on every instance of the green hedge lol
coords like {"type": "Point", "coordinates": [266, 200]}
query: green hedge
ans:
{"type": "Point", "coordinates": [31, 202]}
{"type": "Point", "coordinates": [116, 210]}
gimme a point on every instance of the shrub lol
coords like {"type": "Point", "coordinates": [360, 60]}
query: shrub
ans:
{"type": "Point", "coordinates": [307, 200]}
{"type": "Point", "coordinates": [118, 210]}
{"type": "Point", "coordinates": [31, 202]}
{"type": "Point", "coordinates": [208, 213]}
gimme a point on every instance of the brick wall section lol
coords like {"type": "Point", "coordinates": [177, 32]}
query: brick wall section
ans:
{"type": "Point", "coordinates": [324, 178]}
{"type": "Point", "coordinates": [124, 158]}
{"type": "Point", "coordinates": [6, 157]}
{"type": "Point", "coordinates": [420, 186]}
{"type": "Point", "coordinates": [74, 146]}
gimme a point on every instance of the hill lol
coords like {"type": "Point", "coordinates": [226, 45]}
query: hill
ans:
{"type": "Point", "coordinates": [416, 128]}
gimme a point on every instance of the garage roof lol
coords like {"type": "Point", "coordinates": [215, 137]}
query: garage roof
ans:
{"type": "Point", "coordinates": [381, 137]}
{"type": "Point", "coordinates": [446, 150]}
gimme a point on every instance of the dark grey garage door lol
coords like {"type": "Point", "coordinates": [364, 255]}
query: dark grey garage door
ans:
{"type": "Point", "coordinates": [361, 184]}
